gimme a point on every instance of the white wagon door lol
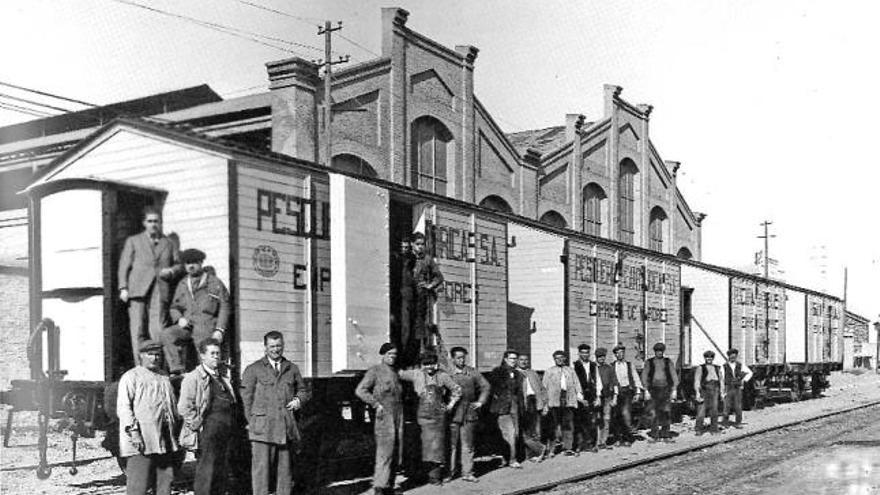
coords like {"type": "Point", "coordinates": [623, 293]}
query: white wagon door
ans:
{"type": "Point", "coordinates": [359, 257]}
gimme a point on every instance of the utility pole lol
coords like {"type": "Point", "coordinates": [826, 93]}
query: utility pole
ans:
{"type": "Point", "coordinates": [766, 238]}
{"type": "Point", "coordinates": [327, 31]}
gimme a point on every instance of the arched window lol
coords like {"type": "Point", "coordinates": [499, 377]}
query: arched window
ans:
{"type": "Point", "coordinates": [430, 154]}
{"type": "Point", "coordinates": [685, 254]}
{"type": "Point", "coordinates": [594, 202]}
{"type": "Point", "coordinates": [626, 201]}
{"type": "Point", "coordinates": [553, 218]}
{"type": "Point", "coordinates": [657, 228]}
{"type": "Point", "coordinates": [353, 164]}
{"type": "Point", "coordinates": [496, 203]}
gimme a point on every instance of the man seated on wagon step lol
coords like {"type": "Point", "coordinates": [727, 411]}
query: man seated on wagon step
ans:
{"type": "Point", "coordinates": [200, 310]}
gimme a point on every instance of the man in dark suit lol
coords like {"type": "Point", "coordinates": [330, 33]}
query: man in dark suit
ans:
{"type": "Point", "coordinates": [149, 263]}
{"type": "Point", "coordinates": [506, 384]}
{"type": "Point", "coordinates": [272, 391]}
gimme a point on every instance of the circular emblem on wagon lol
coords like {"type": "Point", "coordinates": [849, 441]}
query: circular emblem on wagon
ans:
{"type": "Point", "coordinates": [266, 261]}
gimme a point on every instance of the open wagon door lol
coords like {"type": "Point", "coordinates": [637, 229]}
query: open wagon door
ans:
{"type": "Point", "coordinates": [77, 231]}
{"type": "Point", "coordinates": [359, 230]}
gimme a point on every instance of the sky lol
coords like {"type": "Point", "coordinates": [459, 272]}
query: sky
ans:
{"type": "Point", "coordinates": [768, 105]}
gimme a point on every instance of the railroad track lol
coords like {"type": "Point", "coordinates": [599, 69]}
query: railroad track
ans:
{"type": "Point", "coordinates": [681, 451]}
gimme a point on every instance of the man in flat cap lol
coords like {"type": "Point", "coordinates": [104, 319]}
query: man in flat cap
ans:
{"type": "Point", "coordinates": [630, 385]}
{"type": "Point", "coordinates": [463, 420]}
{"type": "Point", "coordinates": [438, 394]}
{"type": "Point", "coordinates": [380, 389]}
{"type": "Point", "coordinates": [736, 375]}
{"type": "Point", "coordinates": [707, 386]}
{"type": "Point", "coordinates": [610, 390]}
{"type": "Point", "coordinates": [200, 310]}
{"type": "Point", "coordinates": [147, 424]}
{"type": "Point", "coordinates": [563, 396]}
{"type": "Point", "coordinates": [148, 266]}
{"type": "Point", "coordinates": [661, 380]}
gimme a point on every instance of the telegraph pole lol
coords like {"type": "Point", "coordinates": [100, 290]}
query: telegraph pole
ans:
{"type": "Point", "coordinates": [327, 31]}
{"type": "Point", "coordinates": [766, 238]}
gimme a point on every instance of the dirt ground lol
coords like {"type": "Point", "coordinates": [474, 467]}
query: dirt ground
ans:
{"type": "Point", "coordinates": [100, 475]}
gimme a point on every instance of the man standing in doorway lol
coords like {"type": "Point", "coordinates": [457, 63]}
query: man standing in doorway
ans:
{"type": "Point", "coordinates": [591, 386]}
{"type": "Point", "coordinates": [662, 381]}
{"type": "Point", "coordinates": [148, 265]}
{"type": "Point", "coordinates": [380, 389]}
{"type": "Point", "coordinates": [629, 387]}
{"type": "Point", "coordinates": [272, 392]}
{"type": "Point", "coordinates": [147, 424]}
{"type": "Point", "coordinates": [707, 386]}
{"type": "Point", "coordinates": [736, 375]}
{"type": "Point", "coordinates": [507, 402]}
{"type": "Point", "coordinates": [466, 413]}
{"type": "Point", "coordinates": [419, 282]}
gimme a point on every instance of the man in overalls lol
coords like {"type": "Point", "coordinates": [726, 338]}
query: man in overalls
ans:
{"type": "Point", "coordinates": [432, 385]}
{"type": "Point", "coordinates": [380, 388]}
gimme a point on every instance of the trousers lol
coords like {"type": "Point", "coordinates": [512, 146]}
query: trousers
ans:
{"type": "Point", "coordinates": [509, 426]}
{"type": "Point", "coordinates": [530, 426]}
{"type": "Point", "coordinates": [388, 437]}
{"type": "Point", "coordinates": [267, 458]}
{"type": "Point", "coordinates": [213, 447]}
{"type": "Point", "coordinates": [661, 411]}
{"type": "Point", "coordinates": [604, 425]}
{"type": "Point", "coordinates": [563, 426]}
{"type": "Point", "coordinates": [147, 316]}
{"type": "Point", "coordinates": [461, 442]}
{"type": "Point", "coordinates": [584, 428]}
{"type": "Point", "coordinates": [709, 392]}
{"type": "Point", "coordinates": [140, 470]}
{"type": "Point", "coordinates": [733, 399]}
{"type": "Point", "coordinates": [624, 414]}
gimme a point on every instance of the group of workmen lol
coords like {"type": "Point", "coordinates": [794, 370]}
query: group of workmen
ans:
{"type": "Point", "coordinates": [178, 312]}
{"type": "Point", "coordinates": [579, 403]}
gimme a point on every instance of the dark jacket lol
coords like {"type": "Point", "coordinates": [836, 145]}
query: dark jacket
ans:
{"type": "Point", "coordinates": [265, 396]}
{"type": "Point", "coordinates": [587, 379]}
{"type": "Point", "coordinates": [471, 382]}
{"type": "Point", "coordinates": [204, 302]}
{"type": "Point", "coordinates": [507, 389]}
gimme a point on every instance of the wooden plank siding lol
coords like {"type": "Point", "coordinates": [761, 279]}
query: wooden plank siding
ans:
{"type": "Point", "coordinates": [276, 222]}
{"type": "Point", "coordinates": [620, 297]}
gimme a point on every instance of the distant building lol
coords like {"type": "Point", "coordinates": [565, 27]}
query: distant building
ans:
{"type": "Point", "coordinates": [859, 349]}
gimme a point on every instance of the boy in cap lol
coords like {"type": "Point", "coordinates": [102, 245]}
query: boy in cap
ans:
{"type": "Point", "coordinates": [433, 385]}
{"type": "Point", "coordinates": [629, 385]}
{"type": "Point", "coordinates": [608, 397]}
{"type": "Point", "coordinates": [148, 416]}
{"type": "Point", "coordinates": [662, 382]}
{"type": "Point", "coordinates": [736, 375]}
{"type": "Point", "coordinates": [200, 310]}
{"type": "Point", "coordinates": [707, 385]}
{"type": "Point", "coordinates": [380, 389]}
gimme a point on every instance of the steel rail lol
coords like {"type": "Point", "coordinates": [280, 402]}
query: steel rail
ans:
{"type": "Point", "coordinates": [685, 450]}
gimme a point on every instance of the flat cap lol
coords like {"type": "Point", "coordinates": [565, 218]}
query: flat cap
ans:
{"type": "Point", "coordinates": [601, 351]}
{"type": "Point", "coordinates": [619, 347]}
{"type": "Point", "coordinates": [659, 346]}
{"type": "Point", "coordinates": [709, 354]}
{"type": "Point", "coordinates": [428, 358]}
{"type": "Point", "coordinates": [732, 352]}
{"type": "Point", "coordinates": [149, 345]}
{"type": "Point", "coordinates": [387, 346]}
{"type": "Point", "coordinates": [192, 256]}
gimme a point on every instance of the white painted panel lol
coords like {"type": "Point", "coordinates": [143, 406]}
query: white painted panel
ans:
{"type": "Point", "coordinates": [359, 257]}
{"type": "Point", "coordinates": [795, 327]}
{"type": "Point", "coordinates": [70, 232]}
{"type": "Point", "coordinates": [710, 307]}
{"type": "Point", "coordinates": [81, 336]}
{"type": "Point", "coordinates": [537, 283]}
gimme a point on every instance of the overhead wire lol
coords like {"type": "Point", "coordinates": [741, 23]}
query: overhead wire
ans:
{"type": "Point", "coordinates": [28, 111]}
{"type": "Point", "coordinates": [33, 102]}
{"type": "Point", "coordinates": [43, 93]}
{"type": "Point", "coordinates": [233, 31]}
